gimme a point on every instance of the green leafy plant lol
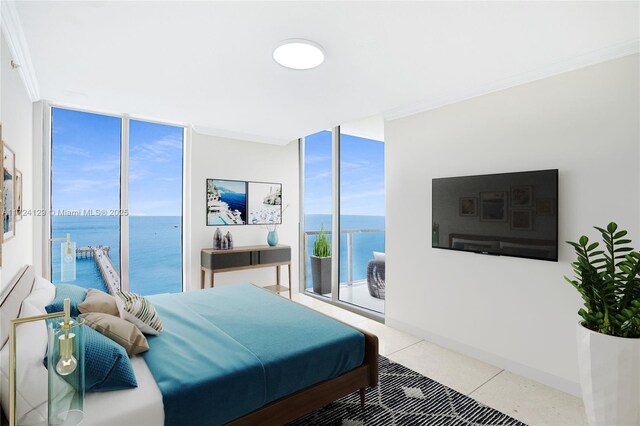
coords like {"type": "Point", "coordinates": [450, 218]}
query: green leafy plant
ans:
{"type": "Point", "coordinates": [321, 246]}
{"type": "Point", "coordinates": [608, 279]}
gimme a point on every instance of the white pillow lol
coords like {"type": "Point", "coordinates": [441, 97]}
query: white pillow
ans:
{"type": "Point", "coordinates": [379, 256]}
{"type": "Point", "coordinates": [41, 295]}
{"type": "Point", "coordinates": [31, 375]}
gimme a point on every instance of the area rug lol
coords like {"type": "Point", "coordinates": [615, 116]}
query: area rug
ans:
{"type": "Point", "coordinates": [404, 397]}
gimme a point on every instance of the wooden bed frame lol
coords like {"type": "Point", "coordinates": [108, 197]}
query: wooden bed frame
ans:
{"type": "Point", "coordinates": [278, 412]}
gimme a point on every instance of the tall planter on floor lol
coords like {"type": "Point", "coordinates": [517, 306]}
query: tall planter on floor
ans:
{"type": "Point", "coordinates": [321, 264]}
{"type": "Point", "coordinates": [608, 280]}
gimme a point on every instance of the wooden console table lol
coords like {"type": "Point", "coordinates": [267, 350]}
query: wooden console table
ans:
{"type": "Point", "coordinates": [247, 257]}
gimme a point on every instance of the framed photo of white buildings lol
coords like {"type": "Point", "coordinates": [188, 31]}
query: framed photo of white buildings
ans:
{"type": "Point", "coordinates": [265, 203]}
{"type": "Point", "coordinates": [8, 193]}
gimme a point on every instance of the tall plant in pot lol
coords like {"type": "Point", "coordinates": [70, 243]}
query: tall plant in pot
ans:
{"type": "Point", "coordinates": [321, 263]}
{"type": "Point", "coordinates": [608, 279]}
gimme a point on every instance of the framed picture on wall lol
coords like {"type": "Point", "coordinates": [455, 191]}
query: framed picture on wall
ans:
{"type": "Point", "coordinates": [226, 202]}
{"type": "Point", "coordinates": [493, 206]}
{"type": "Point", "coordinates": [521, 220]}
{"type": "Point", "coordinates": [469, 206]}
{"type": "Point", "coordinates": [265, 203]}
{"type": "Point", "coordinates": [1, 188]}
{"type": "Point", "coordinates": [18, 211]}
{"type": "Point", "coordinates": [8, 193]}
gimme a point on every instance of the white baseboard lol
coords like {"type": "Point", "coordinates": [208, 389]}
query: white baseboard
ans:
{"type": "Point", "coordinates": [531, 373]}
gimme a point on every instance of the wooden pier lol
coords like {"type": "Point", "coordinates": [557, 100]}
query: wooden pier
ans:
{"type": "Point", "coordinates": [108, 271]}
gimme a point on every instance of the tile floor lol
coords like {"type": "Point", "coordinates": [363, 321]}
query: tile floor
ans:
{"type": "Point", "coordinates": [358, 294]}
{"type": "Point", "coordinates": [528, 401]}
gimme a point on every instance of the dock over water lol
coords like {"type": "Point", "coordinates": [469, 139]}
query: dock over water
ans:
{"type": "Point", "coordinates": [108, 271]}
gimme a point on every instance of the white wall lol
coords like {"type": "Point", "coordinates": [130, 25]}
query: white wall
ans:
{"type": "Point", "coordinates": [220, 158]}
{"type": "Point", "coordinates": [16, 132]}
{"type": "Point", "coordinates": [515, 313]}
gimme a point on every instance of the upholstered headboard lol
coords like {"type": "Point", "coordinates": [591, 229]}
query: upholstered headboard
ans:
{"type": "Point", "coordinates": [11, 299]}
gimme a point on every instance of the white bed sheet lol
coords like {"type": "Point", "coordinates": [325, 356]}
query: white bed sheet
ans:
{"type": "Point", "coordinates": [141, 406]}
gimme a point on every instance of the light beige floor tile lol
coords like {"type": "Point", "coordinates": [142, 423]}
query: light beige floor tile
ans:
{"type": "Point", "coordinates": [450, 368]}
{"type": "Point", "coordinates": [531, 402]}
{"type": "Point", "coordinates": [330, 310]}
{"type": "Point", "coordinates": [390, 340]}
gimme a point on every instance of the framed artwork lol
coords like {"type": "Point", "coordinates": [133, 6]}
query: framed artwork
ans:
{"type": "Point", "coordinates": [8, 193]}
{"type": "Point", "coordinates": [265, 203]}
{"type": "Point", "coordinates": [545, 207]}
{"type": "Point", "coordinates": [521, 220]}
{"type": "Point", "coordinates": [468, 206]}
{"type": "Point", "coordinates": [493, 206]}
{"type": "Point", "coordinates": [226, 202]}
{"type": "Point", "coordinates": [522, 196]}
{"type": "Point", "coordinates": [1, 188]}
{"type": "Point", "coordinates": [18, 195]}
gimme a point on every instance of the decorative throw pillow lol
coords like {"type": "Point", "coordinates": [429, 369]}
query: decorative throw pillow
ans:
{"type": "Point", "coordinates": [64, 291]}
{"type": "Point", "coordinates": [120, 331]}
{"type": "Point", "coordinates": [139, 311]}
{"type": "Point", "coordinates": [99, 301]}
{"type": "Point", "coordinates": [41, 295]}
{"type": "Point", "coordinates": [106, 364]}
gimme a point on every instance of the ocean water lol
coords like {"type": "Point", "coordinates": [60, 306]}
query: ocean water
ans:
{"type": "Point", "coordinates": [236, 201]}
{"type": "Point", "coordinates": [155, 250]}
{"type": "Point", "coordinates": [363, 244]}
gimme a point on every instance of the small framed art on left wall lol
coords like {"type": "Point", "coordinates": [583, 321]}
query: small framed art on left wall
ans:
{"type": "Point", "coordinates": [8, 192]}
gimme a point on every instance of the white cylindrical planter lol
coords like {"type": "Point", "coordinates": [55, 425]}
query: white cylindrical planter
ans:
{"type": "Point", "coordinates": [610, 378]}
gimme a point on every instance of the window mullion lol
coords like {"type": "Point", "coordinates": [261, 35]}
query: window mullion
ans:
{"type": "Point", "coordinates": [124, 204]}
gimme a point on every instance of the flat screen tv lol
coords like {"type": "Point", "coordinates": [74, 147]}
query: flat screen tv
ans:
{"type": "Point", "coordinates": [507, 214]}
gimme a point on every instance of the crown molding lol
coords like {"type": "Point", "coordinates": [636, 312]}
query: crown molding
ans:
{"type": "Point", "coordinates": [577, 62]}
{"type": "Point", "coordinates": [230, 134]}
{"type": "Point", "coordinates": [12, 30]}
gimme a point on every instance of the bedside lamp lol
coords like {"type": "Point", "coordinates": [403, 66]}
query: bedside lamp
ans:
{"type": "Point", "coordinates": [65, 360]}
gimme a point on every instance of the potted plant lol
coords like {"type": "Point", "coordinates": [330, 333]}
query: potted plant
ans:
{"type": "Point", "coordinates": [321, 264]}
{"type": "Point", "coordinates": [608, 279]}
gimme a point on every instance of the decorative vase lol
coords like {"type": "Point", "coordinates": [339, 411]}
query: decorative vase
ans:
{"type": "Point", "coordinates": [217, 239]}
{"type": "Point", "coordinates": [610, 377]}
{"type": "Point", "coordinates": [272, 238]}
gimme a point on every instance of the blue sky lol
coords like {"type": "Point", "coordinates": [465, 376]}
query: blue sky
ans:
{"type": "Point", "coordinates": [86, 164]}
{"type": "Point", "coordinates": [361, 175]}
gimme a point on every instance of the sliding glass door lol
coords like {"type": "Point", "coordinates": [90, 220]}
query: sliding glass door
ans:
{"type": "Point", "coordinates": [362, 232]}
{"type": "Point", "coordinates": [116, 183]}
{"type": "Point", "coordinates": [343, 194]}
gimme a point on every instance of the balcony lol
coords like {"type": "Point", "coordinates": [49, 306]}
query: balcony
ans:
{"type": "Point", "coordinates": [357, 247]}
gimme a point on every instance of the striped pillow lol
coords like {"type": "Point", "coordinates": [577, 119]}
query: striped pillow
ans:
{"type": "Point", "coordinates": [139, 311]}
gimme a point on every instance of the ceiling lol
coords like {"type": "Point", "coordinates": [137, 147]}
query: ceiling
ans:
{"type": "Point", "coordinates": [209, 64]}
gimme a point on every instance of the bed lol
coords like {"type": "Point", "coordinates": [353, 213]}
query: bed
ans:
{"type": "Point", "coordinates": [287, 379]}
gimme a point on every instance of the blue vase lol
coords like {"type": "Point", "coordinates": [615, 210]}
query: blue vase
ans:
{"type": "Point", "coordinates": [272, 238]}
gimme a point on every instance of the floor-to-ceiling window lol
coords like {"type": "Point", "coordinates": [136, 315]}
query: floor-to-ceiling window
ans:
{"type": "Point", "coordinates": [85, 195]}
{"type": "Point", "coordinates": [317, 207]}
{"type": "Point", "coordinates": [155, 207]}
{"type": "Point", "coordinates": [102, 207]}
{"type": "Point", "coordinates": [343, 192]}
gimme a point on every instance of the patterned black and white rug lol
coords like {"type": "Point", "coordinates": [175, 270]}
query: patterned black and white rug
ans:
{"type": "Point", "coordinates": [404, 397]}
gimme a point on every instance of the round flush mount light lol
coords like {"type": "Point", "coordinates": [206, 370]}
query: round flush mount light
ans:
{"type": "Point", "coordinates": [298, 54]}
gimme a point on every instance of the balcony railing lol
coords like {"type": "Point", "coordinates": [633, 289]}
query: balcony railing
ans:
{"type": "Point", "coordinates": [349, 233]}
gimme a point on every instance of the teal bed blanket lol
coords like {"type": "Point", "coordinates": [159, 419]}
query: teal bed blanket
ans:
{"type": "Point", "coordinates": [228, 351]}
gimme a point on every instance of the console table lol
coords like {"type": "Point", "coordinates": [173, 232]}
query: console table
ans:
{"type": "Point", "coordinates": [247, 257]}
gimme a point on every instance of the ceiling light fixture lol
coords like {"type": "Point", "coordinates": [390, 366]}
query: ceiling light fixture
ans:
{"type": "Point", "coordinates": [298, 54]}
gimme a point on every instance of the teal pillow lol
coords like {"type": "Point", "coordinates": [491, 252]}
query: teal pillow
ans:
{"type": "Point", "coordinates": [63, 291]}
{"type": "Point", "coordinates": [106, 364]}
